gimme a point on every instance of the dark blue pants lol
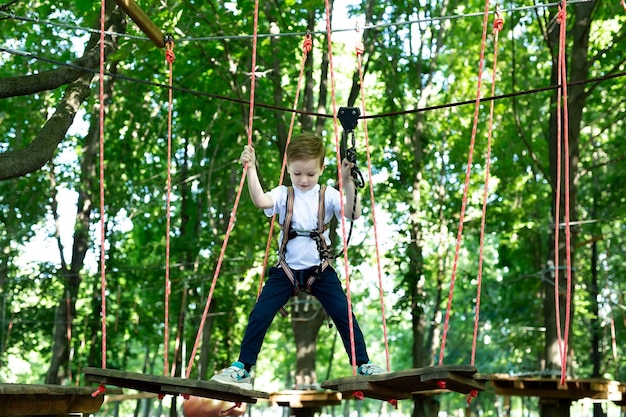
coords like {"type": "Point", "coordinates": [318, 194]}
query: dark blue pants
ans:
{"type": "Point", "coordinates": [276, 292]}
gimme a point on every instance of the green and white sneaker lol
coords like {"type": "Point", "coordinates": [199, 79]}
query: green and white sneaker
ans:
{"type": "Point", "coordinates": [370, 369]}
{"type": "Point", "coordinates": [234, 375]}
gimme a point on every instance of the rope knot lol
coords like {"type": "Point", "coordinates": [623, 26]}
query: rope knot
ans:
{"type": "Point", "coordinates": [473, 394]}
{"type": "Point", "coordinates": [100, 390]}
{"type": "Point", "coordinates": [498, 23]}
{"type": "Point", "coordinates": [560, 17]}
{"type": "Point", "coordinates": [359, 48]}
{"type": "Point", "coordinates": [307, 45]}
{"type": "Point", "coordinates": [169, 52]}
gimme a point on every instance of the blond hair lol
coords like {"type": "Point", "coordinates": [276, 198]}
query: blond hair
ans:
{"type": "Point", "coordinates": [304, 146]}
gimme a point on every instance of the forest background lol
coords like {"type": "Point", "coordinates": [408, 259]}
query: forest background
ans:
{"type": "Point", "coordinates": [421, 65]}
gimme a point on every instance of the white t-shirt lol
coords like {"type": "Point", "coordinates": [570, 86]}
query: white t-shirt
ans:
{"type": "Point", "coordinates": [302, 251]}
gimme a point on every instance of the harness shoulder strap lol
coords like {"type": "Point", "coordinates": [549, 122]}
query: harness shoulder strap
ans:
{"type": "Point", "coordinates": [287, 223]}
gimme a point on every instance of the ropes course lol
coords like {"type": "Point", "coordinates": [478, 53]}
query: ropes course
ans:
{"type": "Point", "coordinates": [464, 377]}
{"type": "Point", "coordinates": [391, 386]}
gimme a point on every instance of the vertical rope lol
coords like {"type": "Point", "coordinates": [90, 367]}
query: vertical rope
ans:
{"type": "Point", "coordinates": [169, 57]}
{"type": "Point", "coordinates": [359, 52]}
{"type": "Point", "coordinates": [307, 45]}
{"type": "Point", "coordinates": [231, 221]}
{"type": "Point", "coordinates": [562, 132]}
{"type": "Point", "coordinates": [103, 303]}
{"type": "Point", "coordinates": [102, 213]}
{"type": "Point", "coordinates": [340, 180]}
{"type": "Point", "coordinates": [497, 27]}
{"type": "Point", "coordinates": [68, 333]}
{"type": "Point", "coordinates": [466, 187]}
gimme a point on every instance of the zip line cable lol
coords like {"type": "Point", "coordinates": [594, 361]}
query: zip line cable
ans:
{"type": "Point", "coordinates": [10, 15]}
{"type": "Point", "coordinates": [308, 113]}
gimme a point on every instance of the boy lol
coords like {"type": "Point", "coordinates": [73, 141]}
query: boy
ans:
{"type": "Point", "coordinates": [303, 254]}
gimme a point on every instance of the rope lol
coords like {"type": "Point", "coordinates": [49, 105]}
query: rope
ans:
{"type": "Point", "coordinates": [562, 131]}
{"type": "Point", "coordinates": [307, 46]}
{"type": "Point", "coordinates": [197, 93]}
{"type": "Point", "coordinates": [231, 221]}
{"type": "Point", "coordinates": [466, 187]}
{"type": "Point", "coordinates": [397, 24]}
{"type": "Point", "coordinates": [497, 27]}
{"type": "Point", "coordinates": [340, 180]}
{"type": "Point", "coordinates": [68, 333]}
{"type": "Point", "coordinates": [103, 306]}
{"type": "Point", "coordinates": [169, 57]}
{"type": "Point", "coordinates": [359, 49]}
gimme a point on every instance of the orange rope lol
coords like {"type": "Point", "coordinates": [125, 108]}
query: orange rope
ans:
{"type": "Point", "coordinates": [169, 57]}
{"type": "Point", "coordinates": [359, 49]}
{"type": "Point", "coordinates": [497, 27]}
{"type": "Point", "coordinates": [102, 213]}
{"type": "Point", "coordinates": [340, 180]}
{"type": "Point", "coordinates": [562, 131]}
{"type": "Point", "coordinates": [466, 187]}
{"type": "Point", "coordinates": [231, 222]}
{"type": "Point", "coordinates": [307, 45]}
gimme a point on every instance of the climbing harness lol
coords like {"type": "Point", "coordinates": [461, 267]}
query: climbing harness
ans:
{"type": "Point", "coordinates": [318, 235]}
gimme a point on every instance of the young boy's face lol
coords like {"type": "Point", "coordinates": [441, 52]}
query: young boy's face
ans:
{"type": "Point", "coordinates": [305, 173]}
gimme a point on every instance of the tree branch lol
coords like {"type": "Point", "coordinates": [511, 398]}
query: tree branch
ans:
{"type": "Point", "coordinates": [19, 162]}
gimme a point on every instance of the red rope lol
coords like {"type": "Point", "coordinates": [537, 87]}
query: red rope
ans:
{"type": "Point", "coordinates": [102, 213]}
{"type": "Point", "coordinates": [359, 53]}
{"type": "Point", "coordinates": [307, 45]}
{"type": "Point", "coordinates": [466, 187]}
{"type": "Point", "coordinates": [562, 132]}
{"type": "Point", "coordinates": [169, 57]}
{"type": "Point", "coordinates": [497, 27]}
{"type": "Point", "coordinates": [624, 4]}
{"type": "Point", "coordinates": [231, 221]}
{"type": "Point", "coordinates": [340, 180]}
{"type": "Point", "coordinates": [68, 332]}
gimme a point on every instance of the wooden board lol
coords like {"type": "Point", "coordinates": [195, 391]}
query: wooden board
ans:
{"type": "Point", "coordinates": [404, 384]}
{"type": "Point", "coordinates": [42, 400]}
{"type": "Point", "coordinates": [173, 386]}
{"type": "Point", "coordinates": [305, 399]}
{"type": "Point", "coordinates": [573, 389]}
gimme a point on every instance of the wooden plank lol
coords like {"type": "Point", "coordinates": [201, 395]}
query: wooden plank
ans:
{"type": "Point", "coordinates": [44, 399]}
{"type": "Point", "coordinates": [403, 384]}
{"type": "Point", "coordinates": [173, 386]}
{"type": "Point", "coordinates": [573, 389]}
{"type": "Point", "coordinates": [305, 398]}
{"type": "Point", "coordinates": [143, 21]}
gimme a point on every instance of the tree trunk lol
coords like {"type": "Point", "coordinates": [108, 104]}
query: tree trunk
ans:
{"type": "Point", "coordinates": [71, 274]}
{"type": "Point", "coordinates": [307, 316]}
{"type": "Point", "coordinates": [36, 154]}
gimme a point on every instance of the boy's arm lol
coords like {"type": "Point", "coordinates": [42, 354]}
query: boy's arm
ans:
{"type": "Point", "coordinates": [351, 210]}
{"type": "Point", "coordinates": [259, 197]}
